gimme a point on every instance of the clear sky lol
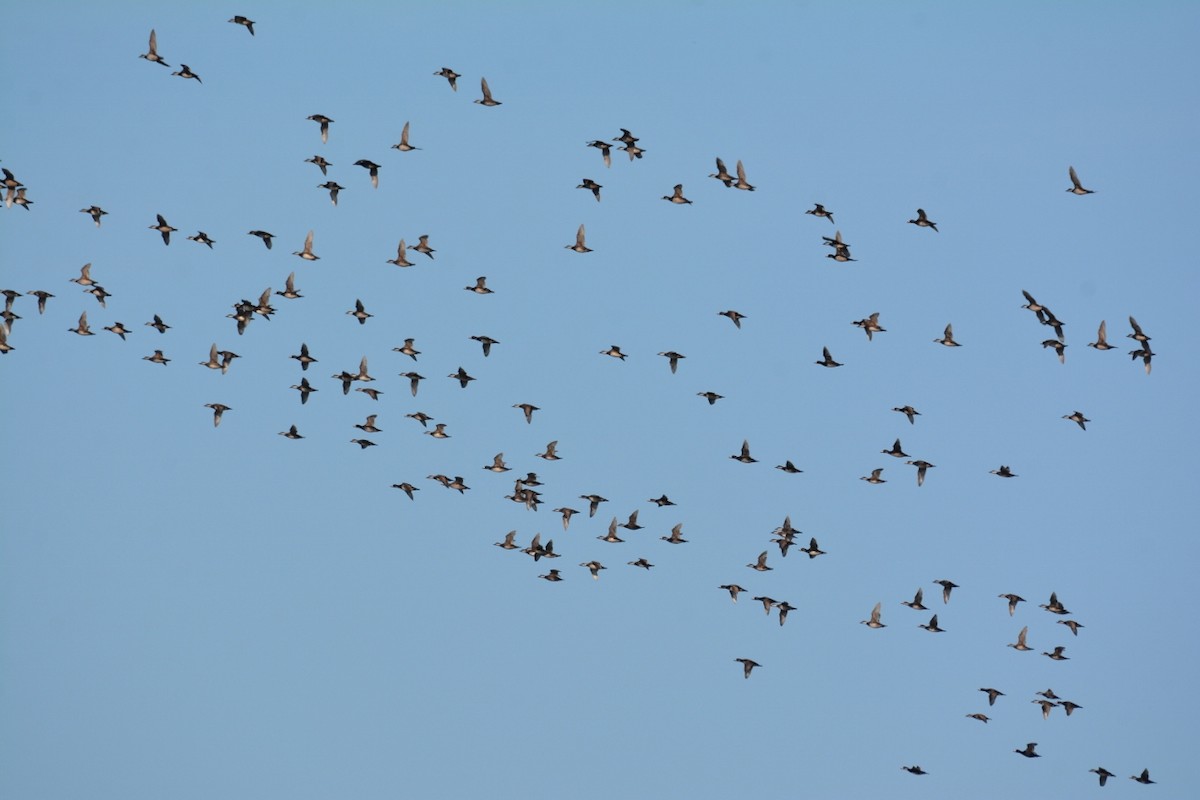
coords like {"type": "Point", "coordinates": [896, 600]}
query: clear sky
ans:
{"type": "Point", "coordinates": [197, 612]}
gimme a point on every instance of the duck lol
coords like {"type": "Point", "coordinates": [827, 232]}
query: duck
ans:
{"type": "Point", "coordinates": [214, 361]}
{"type": "Point", "coordinates": [1101, 342]}
{"type": "Point", "coordinates": [1144, 354]}
{"type": "Point", "coordinates": [1057, 654]}
{"type": "Point", "coordinates": [789, 468]}
{"type": "Point", "coordinates": [372, 169]}
{"type": "Point", "coordinates": [932, 627]}
{"type": "Point", "coordinates": [99, 293]}
{"type": "Point", "coordinates": [611, 536]}
{"type": "Point", "coordinates": [291, 433]}
{"type": "Point", "coordinates": [186, 72]}
{"type": "Point", "coordinates": [1012, 599]}
{"type": "Point", "coordinates": [744, 456]}
{"type": "Point", "coordinates": [632, 523]}
{"type": "Point", "coordinates": [733, 590]}
{"type": "Point", "coordinates": [916, 604]}
{"type": "Point", "coordinates": [673, 359]}
{"type": "Point", "coordinates": [363, 444]}
{"type": "Point", "coordinates": [322, 164]}
{"type": "Point", "coordinates": [1004, 472]}
{"type": "Point", "coordinates": [735, 317]}
{"type": "Point", "coordinates": [1046, 317]}
{"type": "Point", "coordinates": [307, 253]}
{"type": "Point", "coordinates": [605, 150]}
{"type": "Point", "coordinates": [157, 358]}
{"type": "Point", "coordinates": [1137, 335]}
{"type": "Point", "coordinates": [202, 238]}
{"type": "Point", "coordinates": [461, 376]}
{"type": "Point", "coordinates": [266, 237]}
{"type": "Point", "coordinates": [870, 325]}
{"type": "Point", "coordinates": [421, 417]}
{"type": "Point", "coordinates": [156, 323]}
{"type": "Point", "coordinates": [841, 254]}
{"type": "Point", "coordinates": [509, 542]}
{"type": "Point", "coordinates": [812, 551]}
{"type": "Point", "coordinates": [480, 286]}
{"type": "Point", "coordinates": [874, 622]}
{"type": "Point", "coordinates": [992, 695]}
{"type": "Point", "coordinates": [895, 451]}
{"type": "Point", "coordinates": [723, 175]}
{"type": "Point", "coordinates": [947, 586]}
{"type": "Point", "coordinates": [874, 477]}
{"type": "Point", "coordinates": [527, 409]}
{"type": "Point", "coordinates": [1028, 751]}
{"type": "Point", "coordinates": [1101, 771]}
{"type": "Point", "coordinates": [591, 186]}
{"type": "Point", "coordinates": [818, 210]}
{"type": "Point", "coordinates": [42, 297]}
{"type": "Point", "coordinates": [676, 536]}
{"type": "Point", "coordinates": [1068, 706]}
{"type": "Point", "coordinates": [551, 455]}
{"type": "Point", "coordinates": [408, 349]}
{"type": "Point", "coordinates": [303, 357]}
{"type": "Point", "coordinates": [827, 360]}
{"type": "Point", "coordinates": [247, 23]}
{"type": "Point", "coordinates": [711, 397]}
{"type": "Point", "coordinates": [1072, 625]}
{"type": "Point", "coordinates": [784, 607]}
{"type": "Point", "coordinates": [96, 213]}
{"type": "Point", "coordinates": [634, 151]}
{"type": "Point", "coordinates": [626, 137]}
{"type": "Point", "coordinates": [218, 409]}
{"type": "Point", "coordinates": [594, 567]}
{"type": "Point", "coordinates": [641, 562]}
{"type": "Point", "coordinates": [450, 75]}
{"type": "Point", "coordinates": [909, 412]}
{"type": "Point", "coordinates": [369, 425]}
{"type": "Point", "coordinates": [948, 337]}
{"type": "Point", "coordinates": [462, 488]}
{"type": "Point", "coordinates": [413, 380]}
{"type": "Point", "coordinates": [580, 245]}
{"type": "Point", "coordinates": [487, 99]}
{"type": "Point", "coordinates": [677, 197]}
{"type": "Point", "coordinates": [333, 187]}
{"type": "Point", "coordinates": [1078, 418]}
{"type": "Point", "coordinates": [923, 221]}
{"type": "Point", "coordinates": [1059, 348]}
{"type": "Point", "coordinates": [151, 54]}
{"type": "Point", "coordinates": [400, 260]}
{"type": "Point", "coordinates": [1143, 778]}
{"type": "Point", "coordinates": [305, 389]}
{"type": "Point", "coordinates": [371, 393]}
{"type": "Point", "coordinates": [747, 665]}
{"type": "Point", "coordinates": [760, 565]}
{"type": "Point", "coordinates": [422, 246]}
{"type": "Point", "coordinates": [1020, 643]}
{"type": "Point", "coordinates": [615, 352]}
{"type": "Point", "coordinates": [915, 770]}
{"type": "Point", "coordinates": [741, 179]}
{"type": "Point", "coordinates": [567, 513]}
{"type": "Point", "coordinates": [981, 717]}
{"type": "Point", "coordinates": [439, 431]}
{"type": "Point", "coordinates": [1046, 705]}
{"type": "Point", "coordinates": [324, 122]}
{"type": "Point", "coordinates": [163, 228]}
{"type": "Point", "coordinates": [82, 328]}
{"type": "Point", "coordinates": [552, 575]}
{"type": "Point", "coordinates": [1077, 188]}
{"type": "Point", "coordinates": [403, 146]}
{"type": "Point", "coordinates": [360, 313]}
{"type": "Point", "coordinates": [594, 501]}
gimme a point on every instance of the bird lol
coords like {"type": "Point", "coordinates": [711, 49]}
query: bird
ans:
{"type": "Point", "coordinates": [553, 574]}
{"type": "Point", "coordinates": [1137, 334]}
{"type": "Point", "coordinates": [1072, 625]}
{"type": "Point", "coordinates": [1101, 342]}
{"type": "Point", "coordinates": [439, 431]}
{"type": "Point", "coordinates": [1046, 705]}
{"type": "Point", "coordinates": [551, 455]}
{"type": "Point", "coordinates": [1057, 654]}
{"type": "Point", "coordinates": [1048, 694]}
{"type": "Point", "coordinates": [605, 150]}
{"type": "Point", "coordinates": [450, 75]}
{"type": "Point", "coordinates": [1143, 778]}
{"type": "Point", "coordinates": [423, 247]}
{"type": "Point", "coordinates": [1012, 599]}
{"type": "Point", "coordinates": [641, 562]}
{"type": "Point", "coordinates": [403, 146]}
{"type": "Point", "coordinates": [789, 468]}
{"type": "Point", "coordinates": [923, 221]}
{"type": "Point", "coordinates": [371, 393]}
{"type": "Point", "coordinates": [305, 389]}
{"type": "Point", "coordinates": [760, 565]}
{"type": "Point", "coordinates": [186, 72]}
{"type": "Point", "coordinates": [633, 150]}
{"type": "Point", "coordinates": [921, 466]}
{"type": "Point", "coordinates": [632, 524]}
{"type": "Point", "coordinates": [1068, 706]}
{"type": "Point", "coordinates": [874, 622]}
{"type": "Point", "coordinates": [42, 297]}
{"type": "Point", "coordinates": [673, 359]}
{"type": "Point", "coordinates": [461, 376]}
{"type": "Point", "coordinates": [266, 237]}
{"type": "Point", "coordinates": [291, 433]}
{"type": "Point", "coordinates": [981, 717]}
{"type": "Point", "coordinates": [741, 179]}
{"type": "Point", "coordinates": [408, 349]}
{"type": "Point", "coordinates": [360, 313]}
{"type": "Point", "coordinates": [948, 337]}
{"type": "Point", "coordinates": [594, 501]}
{"type": "Point", "coordinates": [372, 169]}
{"type": "Point", "coordinates": [163, 228]}
{"type": "Point", "coordinates": [909, 412]}
{"type": "Point", "coordinates": [157, 324]}
{"type": "Point", "coordinates": [711, 397]}
{"type": "Point", "coordinates": [421, 417]}
{"type": "Point", "coordinates": [626, 137]}
{"type": "Point", "coordinates": [527, 409]}
{"type": "Point", "coordinates": [594, 567]}
{"type": "Point", "coordinates": [841, 254]}
{"type": "Point", "coordinates": [303, 357]}
{"type": "Point", "coordinates": [152, 53]}
{"type": "Point", "coordinates": [818, 210]}
{"type": "Point", "coordinates": [567, 513]}
{"type": "Point", "coordinates": [414, 379]}
{"type": "Point", "coordinates": [1020, 643]}
{"type": "Point", "coordinates": [744, 456]}
{"type": "Point", "coordinates": [99, 293]}
{"type": "Point", "coordinates": [218, 409]}
{"type": "Point", "coordinates": [874, 477]}
{"type": "Point", "coordinates": [932, 627]}
{"type": "Point", "coordinates": [812, 551]}
{"type": "Point", "coordinates": [487, 99]}
{"type": "Point", "coordinates": [1004, 472]}
{"type": "Point", "coordinates": [508, 543]}
{"type": "Point", "coordinates": [615, 352]}
{"type": "Point", "coordinates": [611, 535]}
{"type": "Point", "coordinates": [323, 121]}
{"type": "Point", "coordinates": [480, 286]}
{"type": "Point", "coordinates": [369, 425]}
{"type": "Point", "coordinates": [915, 770]}
{"type": "Point", "coordinates": [1059, 348]}
{"type": "Point", "coordinates": [916, 604]}
{"type": "Point", "coordinates": [214, 362]}
{"type": "Point", "coordinates": [947, 586]}
{"type": "Point", "coordinates": [1078, 418]}
{"type": "Point", "coordinates": [870, 325]}
{"type": "Point", "coordinates": [1028, 751]}
{"type": "Point", "coordinates": [677, 196]}
{"type": "Point", "coordinates": [307, 253]}
{"type": "Point", "coordinates": [322, 164]}
{"type": "Point", "coordinates": [723, 175]}
{"type": "Point", "coordinates": [85, 275]}
{"type": "Point", "coordinates": [82, 328]}
{"type": "Point", "coordinates": [1101, 771]}
{"type": "Point", "coordinates": [992, 695]}
{"type": "Point", "coordinates": [334, 187]}
{"type": "Point", "coordinates": [363, 444]}
{"type": "Point", "coordinates": [96, 213]}
{"type": "Point", "coordinates": [289, 291]}
{"type": "Point", "coordinates": [202, 238]}
{"type": "Point", "coordinates": [248, 23]}
{"type": "Point", "coordinates": [735, 317]}
{"type": "Point", "coordinates": [733, 590]}
{"type": "Point", "coordinates": [401, 259]}
{"type": "Point", "coordinates": [676, 536]}
{"type": "Point", "coordinates": [784, 607]}
{"type": "Point", "coordinates": [827, 360]}
{"type": "Point", "coordinates": [1077, 188]}
{"type": "Point", "coordinates": [747, 666]}
{"type": "Point", "coordinates": [157, 358]}
{"type": "Point", "coordinates": [1144, 354]}
{"type": "Point", "coordinates": [592, 186]}
{"type": "Point", "coordinates": [580, 245]}
{"type": "Point", "coordinates": [895, 451]}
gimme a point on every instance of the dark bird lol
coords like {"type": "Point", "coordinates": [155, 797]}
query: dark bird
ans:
{"type": "Point", "coordinates": [363, 444]}
{"type": "Point", "coordinates": [414, 379]}
{"type": "Point", "coordinates": [818, 210]}
{"type": "Point", "coordinates": [744, 456]}
{"type": "Point", "coordinates": [615, 352]}
{"type": "Point", "coordinates": [827, 361]}
{"type": "Point", "coordinates": [334, 187]}
{"type": "Point", "coordinates": [403, 146]}
{"type": "Point", "coordinates": [923, 221]}
{"type": "Point", "coordinates": [734, 316]}
{"type": "Point", "coordinates": [981, 717]}
{"type": "Point", "coordinates": [487, 99]}
{"type": "Point", "coordinates": [733, 590]}
{"type": "Point", "coordinates": [96, 213]}
{"type": "Point", "coordinates": [673, 359]}
{"type": "Point", "coordinates": [152, 53]}
{"type": "Point", "coordinates": [248, 23]}
{"type": "Point", "coordinates": [202, 238]}
{"type": "Point", "coordinates": [304, 389]}
{"type": "Point", "coordinates": [551, 455]}
{"type": "Point", "coordinates": [789, 468]}
{"type": "Point", "coordinates": [1072, 624]}
{"type": "Point", "coordinates": [626, 137]}
{"type": "Point", "coordinates": [1059, 348]}
{"type": "Point", "coordinates": [632, 524]}
{"type": "Point", "coordinates": [408, 349]}
{"type": "Point", "coordinates": [553, 574]}
{"type": "Point", "coordinates": [1047, 706]}
{"type": "Point", "coordinates": [461, 376]}
{"type": "Point", "coordinates": [320, 162]}
{"type": "Point", "coordinates": [870, 325]}
{"type": "Point", "coordinates": [567, 513]}
{"type": "Point", "coordinates": [218, 409]}
{"type": "Point", "coordinates": [594, 567]}
{"type": "Point", "coordinates": [915, 770]}
{"type": "Point", "coordinates": [1068, 706]}
{"type": "Point", "coordinates": [186, 72]}
{"type": "Point", "coordinates": [992, 695]}
{"type": "Point", "coordinates": [323, 121]}
{"type": "Point", "coordinates": [1077, 188]}
{"type": "Point", "coordinates": [594, 501]}
{"type": "Point", "coordinates": [1004, 472]}
{"type": "Point", "coordinates": [641, 562]}
{"type": "Point", "coordinates": [1057, 654]}
{"type": "Point", "coordinates": [157, 324]}
{"type": "Point", "coordinates": [157, 358]}
{"type": "Point", "coordinates": [1012, 599]}
{"type": "Point", "coordinates": [812, 551]}
{"type": "Point", "coordinates": [423, 247]}
{"type": "Point", "coordinates": [1028, 751]}
{"type": "Point", "coordinates": [439, 431]}
{"type": "Point", "coordinates": [1101, 771]}
{"type": "Point", "coordinates": [527, 409]}
{"type": "Point", "coordinates": [932, 627]}
{"type": "Point", "coordinates": [450, 75]}
{"type": "Point", "coordinates": [605, 150]}
{"type": "Point", "coordinates": [480, 286]}
{"type": "Point", "coordinates": [611, 536]}
{"type": "Point", "coordinates": [42, 297]}
{"type": "Point", "coordinates": [369, 425]}
{"type": "Point", "coordinates": [303, 357]}
{"type": "Point", "coordinates": [1137, 334]}
{"type": "Point", "coordinates": [591, 186]}
{"type": "Point", "coordinates": [1143, 778]}
{"type": "Point", "coordinates": [677, 197]}
{"type": "Point", "coordinates": [371, 393]}
{"type": "Point", "coordinates": [163, 228]}
{"type": "Point", "coordinates": [291, 433]}
{"type": "Point", "coordinates": [916, 604]}
{"type": "Point", "coordinates": [266, 237]}
{"type": "Point", "coordinates": [948, 337]}
{"type": "Point", "coordinates": [509, 542]}
{"type": "Point", "coordinates": [909, 412]}
{"type": "Point", "coordinates": [1078, 418]}
{"type": "Point", "coordinates": [760, 565]}
{"type": "Point", "coordinates": [372, 169]}
{"type": "Point", "coordinates": [895, 451]}
{"type": "Point", "coordinates": [947, 586]}
{"type": "Point", "coordinates": [676, 536]}
{"type": "Point", "coordinates": [722, 174]}
{"type": "Point", "coordinates": [711, 397]}
{"type": "Point", "coordinates": [747, 666]}
{"type": "Point", "coordinates": [360, 313]}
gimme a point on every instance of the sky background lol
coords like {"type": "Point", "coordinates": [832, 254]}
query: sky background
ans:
{"type": "Point", "coordinates": [191, 612]}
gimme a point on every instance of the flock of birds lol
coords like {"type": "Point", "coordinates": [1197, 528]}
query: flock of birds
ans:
{"type": "Point", "coordinates": [526, 489]}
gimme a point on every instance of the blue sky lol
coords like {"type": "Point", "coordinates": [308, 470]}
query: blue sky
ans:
{"type": "Point", "coordinates": [187, 611]}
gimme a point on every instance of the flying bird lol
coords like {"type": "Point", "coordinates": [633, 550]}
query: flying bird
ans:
{"type": "Point", "coordinates": [580, 245]}
{"type": "Point", "coordinates": [874, 622]}
{"type": "Point", "coordinates": [163, 228]}
{"type": "Point", "coordinates": [677, 197]}
{"type": "Point", "coordinates": [450, 75]}
{"type": "Point", "coordinates": [403, 146]}
{"type": "Point", "coordinates": [1077, 188]}
{"type": "Point", "coordinates": [923, 221]}
{"type": "Point", "coordinates": [96, 213]}
{"type": "Point", "coordinates": [323, 121]}
{"type": "Point", "coordinates": [487, 94]}
{"type": "Point", "coordinates": [152, 53]}
{"type": "Point", "coordinates": [248, 23]}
